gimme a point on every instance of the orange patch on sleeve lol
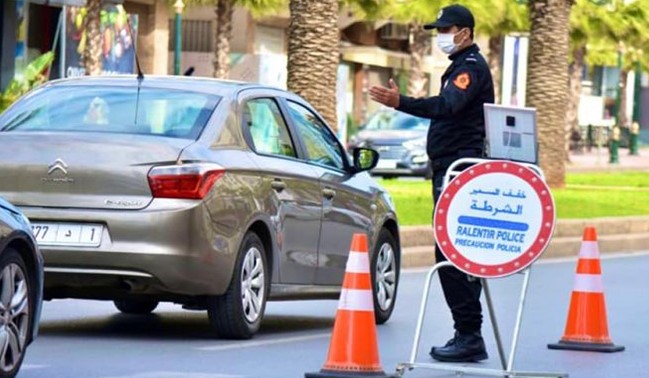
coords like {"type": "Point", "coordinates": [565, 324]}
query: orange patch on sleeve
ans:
{"type": "Point", "coordinates": [462, 81]}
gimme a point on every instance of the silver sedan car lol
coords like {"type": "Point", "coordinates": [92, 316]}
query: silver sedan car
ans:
{"type": "Point", "coordinates": [214, 195]}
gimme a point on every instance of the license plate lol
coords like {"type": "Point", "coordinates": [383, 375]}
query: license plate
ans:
{"type": "Point", "coordinates": [68, 234]}
{"type": "Point", "coordinates": [386, 164]}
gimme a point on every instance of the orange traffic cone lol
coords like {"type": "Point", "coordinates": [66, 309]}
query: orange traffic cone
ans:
{"type": "Point", "coordinates": [587, 326]}
{"type": "Point", "coordinates": [353, 351]}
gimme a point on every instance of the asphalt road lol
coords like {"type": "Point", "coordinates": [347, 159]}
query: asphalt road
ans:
{"type": "Point", "coordinates": [90, 339]}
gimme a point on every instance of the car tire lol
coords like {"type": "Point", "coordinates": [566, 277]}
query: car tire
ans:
{"type": "Point", "coordinates": [429, 172]}
{"type": "Point", "coordinates": [385, 269]}
{"type": "Point", "coordinates": [13, 273]}
{"type": "Point", "coordinates": [237, 314]}
{"type": "Point", "coordinates": [136, 306]}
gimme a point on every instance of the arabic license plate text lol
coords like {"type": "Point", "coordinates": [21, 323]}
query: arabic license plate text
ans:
{"type": "Point", "coordinates": [68, 234]}
{"type": "Point", "coordinates": [386, 164]}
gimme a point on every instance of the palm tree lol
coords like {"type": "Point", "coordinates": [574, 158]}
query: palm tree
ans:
{"type": "Point", "coordinates": [497, 19]}
{"type": "Point", "coordinates": [494, 18]}
{"type": "Point", "coordinates": [599, 33]}
{"type": "Point", "coordinates": [626, 27]}
{"type": "Point", "coordinates": [92, 50]}
{"type": "Point", "coordinates": [223, 31]}
{"type": "Point", "coordinates": [548, 81]}
{"type": "Point", "coordinates": [420, 47]}
{"type": "Point", "coordinates": [222, 37]}
{"type": "Point", "coordinates": [414, 13]}
{"type": "Point", "coordinates": [585, 26]}
{"type": "Point", "coordinates": [313, 54]}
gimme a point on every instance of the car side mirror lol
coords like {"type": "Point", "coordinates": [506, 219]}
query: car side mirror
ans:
{"type": "Point", "coordinates": [364, 159]}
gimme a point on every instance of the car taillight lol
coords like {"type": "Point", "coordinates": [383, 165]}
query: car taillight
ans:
{"type": "Point", "coordinates": [186, 181]}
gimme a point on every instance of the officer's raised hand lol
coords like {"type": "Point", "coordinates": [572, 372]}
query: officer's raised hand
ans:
{"type": "Point", "coordinates": [386, 96]}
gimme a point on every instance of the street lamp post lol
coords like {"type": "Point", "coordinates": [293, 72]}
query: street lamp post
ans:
{"type": "Point", "coordinates": [179, 6]}
{"type": "Point", "coordinates": [615, 139]}
{"type": "Point", "coordinates": [635, 125]}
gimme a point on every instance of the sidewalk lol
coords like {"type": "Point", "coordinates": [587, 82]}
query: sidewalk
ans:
{"type": "Point", "coordinates": [616, 234]}
{"type": "Point", "coordinates": [598, 160]}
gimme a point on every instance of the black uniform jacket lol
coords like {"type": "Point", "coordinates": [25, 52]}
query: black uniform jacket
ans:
{"type": "Point", "coordinates": [457, 114]}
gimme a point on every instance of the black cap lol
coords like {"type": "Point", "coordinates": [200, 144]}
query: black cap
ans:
{"type": "Point", "coordinates": [453, 15]}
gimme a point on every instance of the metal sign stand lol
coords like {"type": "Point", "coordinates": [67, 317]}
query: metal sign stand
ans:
{"type": "Point", "coordinates": [506, 363]}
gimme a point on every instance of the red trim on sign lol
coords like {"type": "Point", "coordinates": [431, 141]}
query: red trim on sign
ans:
{"type": "Point", "coordinates": [527, 257]}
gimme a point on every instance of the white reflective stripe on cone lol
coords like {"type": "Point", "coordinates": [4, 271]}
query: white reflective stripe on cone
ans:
{"type": "Point", "coordinates": [356, 300]}
{"type": "Point", "coordinates": [358, 262]}
{"type": "Point", "coordinates": [589, 250]}
{"type": "Point", "coordinates": [588, 283]}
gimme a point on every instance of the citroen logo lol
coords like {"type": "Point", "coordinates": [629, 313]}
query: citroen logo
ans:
{"type": "Point", "coordinates": [59, 165]}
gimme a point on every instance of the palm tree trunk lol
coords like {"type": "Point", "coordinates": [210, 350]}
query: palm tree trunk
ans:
{"type": "Point", "coordinates": [313, 54]}
{"type": "Point", "coordinates": [222, 36]}
{"type": "Point", "coordinates": [547, 83]}
{"type": "Point", "coordinates": [622, 113]}
{"type": "Point", "coordinates": [574, 77]}
{"type": "Point", "coordinates": [495, 59]}
{"type": "Point", "coordinates": [419, 48]}
{"type": "Point", "coordinates": [92, 52]}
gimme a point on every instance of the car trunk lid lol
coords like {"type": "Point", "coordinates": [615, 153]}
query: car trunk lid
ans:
{"type": "Point", "coordinates": [90, 170]}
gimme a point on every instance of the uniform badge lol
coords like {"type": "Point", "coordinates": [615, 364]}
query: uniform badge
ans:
{"type": "Point", "coordinates": [462, 81]}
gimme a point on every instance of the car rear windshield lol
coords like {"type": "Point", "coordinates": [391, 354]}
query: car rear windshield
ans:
{"type": "Point", "coordinates": [397, 121]}
{"type": "Point", "coordinates": [148, 111]}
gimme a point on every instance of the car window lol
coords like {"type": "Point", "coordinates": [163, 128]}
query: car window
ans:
{"type": "Point", "coordinates": [113, 109]}
{"type": "Point", "coordinates": [321, 144]}
{"type": "Point", "coordinates": [267, 128]}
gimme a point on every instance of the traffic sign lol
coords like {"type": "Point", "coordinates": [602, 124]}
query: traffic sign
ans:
{"type": "Point", "coordinates": [494, 219]}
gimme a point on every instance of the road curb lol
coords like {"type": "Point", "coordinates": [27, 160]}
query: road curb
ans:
{"type": "Point", "coordinates": [619, 234]}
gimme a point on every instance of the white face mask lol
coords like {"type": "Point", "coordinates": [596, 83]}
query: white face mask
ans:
{"type": "Point", "coordinates": [446, 43]}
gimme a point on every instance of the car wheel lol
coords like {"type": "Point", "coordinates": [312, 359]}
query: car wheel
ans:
{"type": "Point", "coordinates": [385, 271]}
{"type": "Point", "coordinates": [237, 314]}
{"type": "Point", "coordinates": [135, 306]}
{"type": "Point", "coordinates": [15, 312]}
{"type": "Point", "coordinates": [429, 173]}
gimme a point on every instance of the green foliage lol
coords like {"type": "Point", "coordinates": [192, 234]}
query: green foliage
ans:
{"type": "Point", "coordinates": [352, 127]}
{"type": "Point", "coordinates": [369, 9]}
{"type": "Point", "coordinates": [604, 30]}
{"type": "Point", "coordinates": [497, 18]}
{"type": "Point", "coordinates": [33, 76]}
{"type": "Point", "coordinates": [610, 179]}
{"type": "Point", "coordinates": [595, 199]}
{"type": "Point", "coordinates": [258, 8]}
{"type": "Point", "coordinates": [414, 11]}
{"type": "Point", "coordinates": [585, 23]}
{"type": "Point", "coordinates": [494, 18]}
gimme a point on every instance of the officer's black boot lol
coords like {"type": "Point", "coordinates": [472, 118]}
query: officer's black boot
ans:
{"type": "Point", "coordinates": [464, 347]}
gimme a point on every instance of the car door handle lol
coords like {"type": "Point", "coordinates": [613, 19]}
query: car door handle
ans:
{"type": "Point", "coordinates": [328, 193]}
{"type": "Point", "coordinates": [278, 185]}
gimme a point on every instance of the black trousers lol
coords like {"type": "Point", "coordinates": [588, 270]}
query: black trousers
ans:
{"type": "Point", "coordinates": [462, 292]}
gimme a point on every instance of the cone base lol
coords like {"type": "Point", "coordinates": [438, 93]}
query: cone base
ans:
{"type": "Point", "coordinates": [348, 374]}
{"type": "Point", "coordinates": [586, 347]}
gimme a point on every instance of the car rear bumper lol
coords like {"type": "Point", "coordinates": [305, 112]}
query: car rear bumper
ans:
{"type": "Point", "coordinates": [172, 247]}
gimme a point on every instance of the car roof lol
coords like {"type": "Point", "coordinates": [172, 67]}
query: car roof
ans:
{"type": "Point", "coordinates": [189, 83]}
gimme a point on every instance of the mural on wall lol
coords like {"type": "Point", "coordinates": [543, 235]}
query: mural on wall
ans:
{"type": "Point", "coordinates": [118, 45]}
{"type": "Point", "coordinates": [21, 36]}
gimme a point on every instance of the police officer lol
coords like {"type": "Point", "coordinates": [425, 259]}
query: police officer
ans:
{"type": "Point", "coordinates": [456, 131]}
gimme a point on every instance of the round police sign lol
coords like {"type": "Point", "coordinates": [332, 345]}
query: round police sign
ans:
{"type": "Point", "coordinates": [494, 219]}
